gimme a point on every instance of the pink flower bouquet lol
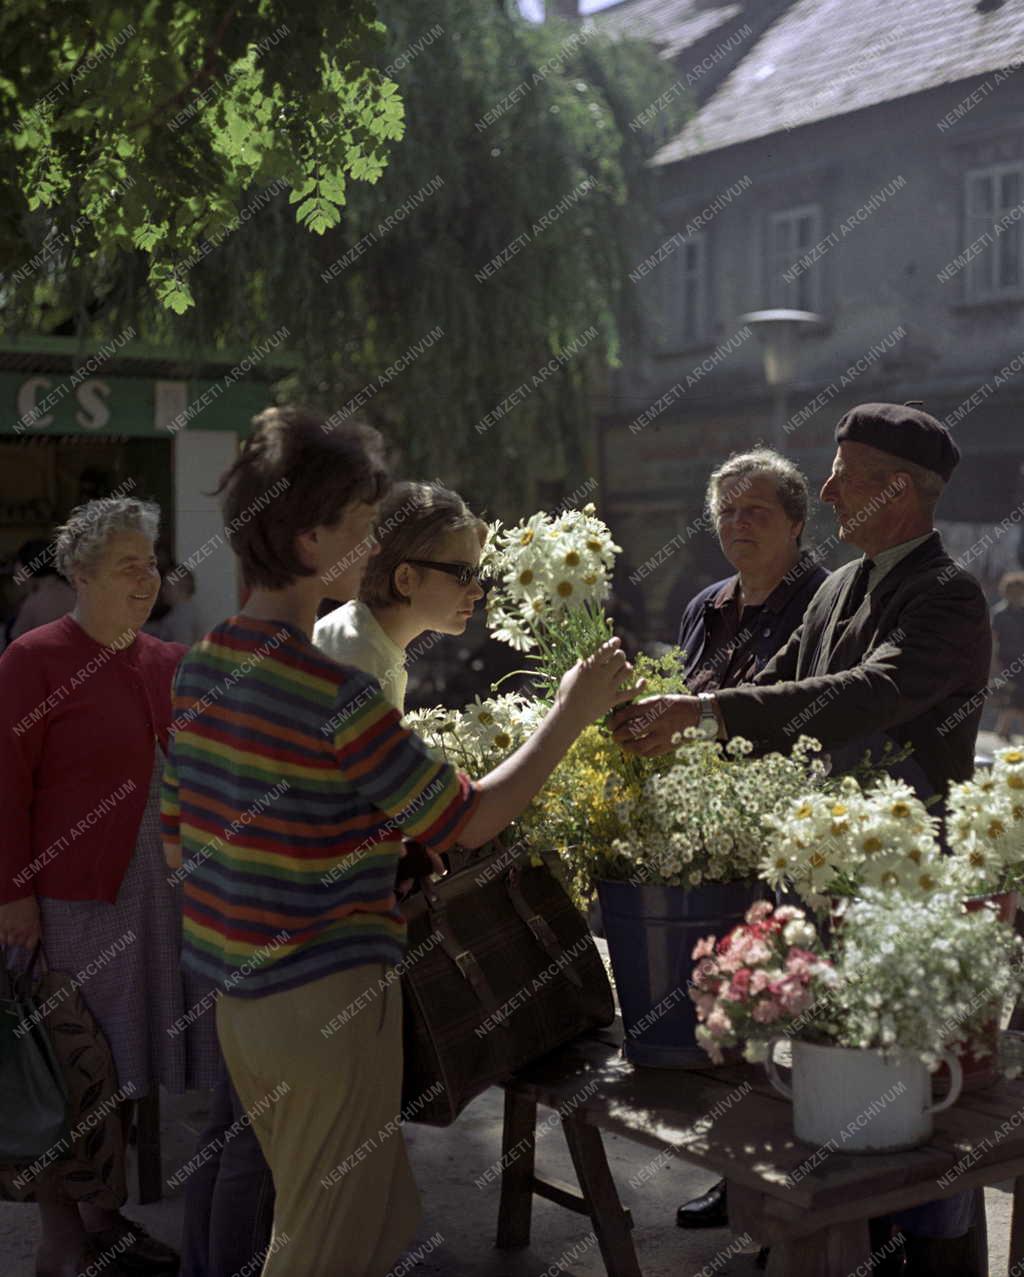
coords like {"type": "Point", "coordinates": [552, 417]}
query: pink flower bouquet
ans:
{"type": "Point", "coordinates": [766, 978]}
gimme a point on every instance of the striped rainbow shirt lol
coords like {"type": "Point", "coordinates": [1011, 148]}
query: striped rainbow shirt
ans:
{"type": "Point", "coordinates": [288, 785]}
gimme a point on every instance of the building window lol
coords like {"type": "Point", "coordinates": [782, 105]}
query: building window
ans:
{"type": "Point", "coordinates": [794, 282]}
{"type": "Point", "coordinates": [994, 231]}
{"type": "Point", "coordinates": [684, 304]}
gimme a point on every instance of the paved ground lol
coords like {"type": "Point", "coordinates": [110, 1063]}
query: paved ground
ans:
{"type": "Point", "coordinates": [457, 1239]}
{"type": "Point", "coordinates": [448, 1161]}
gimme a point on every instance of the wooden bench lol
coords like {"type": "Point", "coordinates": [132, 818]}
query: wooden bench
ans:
{"type": "Point", "coordinates": [812, 1210]}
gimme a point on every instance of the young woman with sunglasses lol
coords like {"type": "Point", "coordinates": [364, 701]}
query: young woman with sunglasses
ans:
{"type": "Point", "coordinates": [424, 577]}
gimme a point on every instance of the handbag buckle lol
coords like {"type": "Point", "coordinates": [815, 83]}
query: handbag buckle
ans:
{"type": "Point", "coordinates": [466, 963]}
{"type": "Point", "coordinates": [540, 928]}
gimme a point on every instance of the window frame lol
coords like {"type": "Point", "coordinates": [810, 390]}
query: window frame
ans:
{"type": "Point", "coordinates": [775, 297]}
{"type": "Point", "coordinates": [675, 277]}
{"type": "Point", "coordinates": [973, 292]}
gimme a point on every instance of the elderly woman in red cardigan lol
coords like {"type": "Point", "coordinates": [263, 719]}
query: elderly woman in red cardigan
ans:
{"type": "Point", "coordinates": [85, 709]}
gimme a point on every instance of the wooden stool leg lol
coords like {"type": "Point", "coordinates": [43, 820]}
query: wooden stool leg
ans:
{"type": "Point", "coordinates": [977, 1259]}
{"type": "Point", "coordinates": [517, 1144]}
{"type": "Point", "coordinates": [611, 1223]}
{"type": "Point", "coordinates": [1017, 1229]}
{"type": "Point", "coordinates": [834, 1252]}
{"type": "Point", "coordinates": [147, 1148]}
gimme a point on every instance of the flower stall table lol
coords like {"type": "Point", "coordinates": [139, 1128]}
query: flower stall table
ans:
{"type": "Point", "coordinates": [730, 1121]}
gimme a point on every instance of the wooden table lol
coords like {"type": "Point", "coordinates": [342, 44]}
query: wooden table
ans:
{"type": "Point", "coordinates": [812, 1210]}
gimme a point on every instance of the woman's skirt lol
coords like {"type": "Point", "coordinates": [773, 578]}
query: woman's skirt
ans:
{"type": "Point", "coordinates": [158, 1019]}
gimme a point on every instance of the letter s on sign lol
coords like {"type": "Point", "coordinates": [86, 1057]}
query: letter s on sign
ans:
{"type": "Point", "coordinates": [91, 396]}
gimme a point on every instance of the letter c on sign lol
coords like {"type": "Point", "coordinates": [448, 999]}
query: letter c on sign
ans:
{"type": "Point", "coordinates": [27, 393]}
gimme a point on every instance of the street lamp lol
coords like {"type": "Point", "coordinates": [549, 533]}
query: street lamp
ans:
{"type": "Point", "coordinates": [779, 331]}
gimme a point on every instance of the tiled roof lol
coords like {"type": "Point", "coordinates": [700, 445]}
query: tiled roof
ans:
{"type": "Point", "coordinates": [672, 25]}
{"type": "Point", "coordinates": [823, 58]}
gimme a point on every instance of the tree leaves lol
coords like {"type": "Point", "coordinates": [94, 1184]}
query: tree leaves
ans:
{"type": "Point", "coordinates": [187, 95]}
{"type": "Point", "coordinates": [417, 151]}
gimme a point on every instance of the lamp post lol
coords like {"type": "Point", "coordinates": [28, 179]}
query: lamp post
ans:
{"type": "Point", "coordinates": [779, 332]}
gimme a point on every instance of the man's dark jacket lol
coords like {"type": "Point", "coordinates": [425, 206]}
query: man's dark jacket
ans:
{"type": "Point", "coordinates": [910, 664]}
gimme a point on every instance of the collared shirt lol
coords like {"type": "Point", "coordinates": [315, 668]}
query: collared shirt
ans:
{"type": "Point", "coordinates": [725, 646]}
{"type": "Point", "coordinates": [352, 635]}
{"type": "Point", "coordinates": [886, 560]}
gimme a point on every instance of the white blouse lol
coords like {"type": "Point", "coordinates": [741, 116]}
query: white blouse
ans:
{"type": "Point", "coordinates": [352, 635]}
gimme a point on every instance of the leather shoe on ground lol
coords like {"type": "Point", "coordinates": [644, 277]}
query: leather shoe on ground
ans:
{"type": "Point", "coordinates": [135, 1250]}
{"type": "Point", "coordinates": [710, 1210]}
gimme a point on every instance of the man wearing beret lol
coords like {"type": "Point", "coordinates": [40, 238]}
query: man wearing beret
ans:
{"type": "Point", "coordinates": [895, 646]}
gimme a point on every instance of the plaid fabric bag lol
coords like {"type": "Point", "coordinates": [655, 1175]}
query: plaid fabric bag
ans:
{"type": "Point", "coordinates": [501, 968]}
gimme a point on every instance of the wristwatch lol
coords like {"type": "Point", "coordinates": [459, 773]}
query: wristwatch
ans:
{"type": "Point", "coordinates": [707, 726]}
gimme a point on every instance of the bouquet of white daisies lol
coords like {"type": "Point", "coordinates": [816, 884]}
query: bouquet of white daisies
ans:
{"type": "Point", "coordinates": [552, 576]}
{"type": "Point", "coordinates": [705, 819]}
{"type": "Point", "coordinates": [833, 843]}
{"type": "Point", "coordinates": [985, 827]}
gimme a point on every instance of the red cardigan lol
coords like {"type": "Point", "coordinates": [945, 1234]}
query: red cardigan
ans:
{"type": "Point", "coordinates": [78, 724]}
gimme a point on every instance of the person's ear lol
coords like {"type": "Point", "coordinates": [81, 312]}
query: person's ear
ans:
{"type": "Point", "coordinates": [404, 578]}
{"type": "Point", "coordinates": [306, 546]}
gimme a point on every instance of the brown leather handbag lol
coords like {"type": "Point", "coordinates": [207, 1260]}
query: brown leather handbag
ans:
{"type": "Point", "coordinates": [501, 968]}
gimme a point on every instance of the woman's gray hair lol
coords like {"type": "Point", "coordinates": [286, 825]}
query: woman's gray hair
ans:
{"type": "Point", "coordinates": [79, 542]}
{"type": "Point", "coordinates": [790, 483]}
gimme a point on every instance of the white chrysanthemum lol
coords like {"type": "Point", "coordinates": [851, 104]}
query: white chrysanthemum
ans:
{"type": "Point", "coordinates": [777, 868]}
{"type": "Point", "coordinates": [431, 725]}
{"type": "Point", "coordinates": [509, 628]}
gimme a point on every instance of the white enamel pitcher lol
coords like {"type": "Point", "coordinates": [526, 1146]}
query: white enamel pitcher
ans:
{"type": "Point", "coordinates": [855, 1101]}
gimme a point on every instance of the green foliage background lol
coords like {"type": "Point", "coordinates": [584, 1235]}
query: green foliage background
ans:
{"type": "Point", "coordinates": [316, 108]}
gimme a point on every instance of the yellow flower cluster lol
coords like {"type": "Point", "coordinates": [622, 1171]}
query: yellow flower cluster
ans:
{"type": "Point", "coordinates": [577, 811]}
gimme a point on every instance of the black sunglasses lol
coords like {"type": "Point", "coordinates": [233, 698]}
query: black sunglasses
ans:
{"type": "Point", "coordinates": [462, 572]}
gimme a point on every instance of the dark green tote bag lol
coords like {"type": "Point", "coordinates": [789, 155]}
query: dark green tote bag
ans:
{"type": "Point", "coordinates": [34, 1107]}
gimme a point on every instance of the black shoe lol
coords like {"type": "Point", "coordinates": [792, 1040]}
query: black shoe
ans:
{"type": "Point", "coordinates": [135, 1250]}
{"type": "Point", "coordinates": [710, 1210]}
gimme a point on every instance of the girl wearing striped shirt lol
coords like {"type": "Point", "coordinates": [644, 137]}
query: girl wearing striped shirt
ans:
{"type": "Point", "coordinates": [288, 788]}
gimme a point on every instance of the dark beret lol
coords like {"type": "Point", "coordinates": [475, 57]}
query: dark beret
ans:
{"type": "Point", "coordinates": [904, 432]}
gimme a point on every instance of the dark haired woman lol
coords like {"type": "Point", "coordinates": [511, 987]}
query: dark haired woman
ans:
{"type": "Point", "coordinates": [288, 794]}
{"type": "Point", "coordinates": [424, 577]}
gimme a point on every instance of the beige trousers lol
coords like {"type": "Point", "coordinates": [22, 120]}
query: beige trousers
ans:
{"type": "Point", "coordinates": [324, 1099]}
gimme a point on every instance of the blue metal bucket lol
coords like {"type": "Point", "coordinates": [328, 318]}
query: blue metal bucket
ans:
{"type": "Point", "coordinates": [651, 931]}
